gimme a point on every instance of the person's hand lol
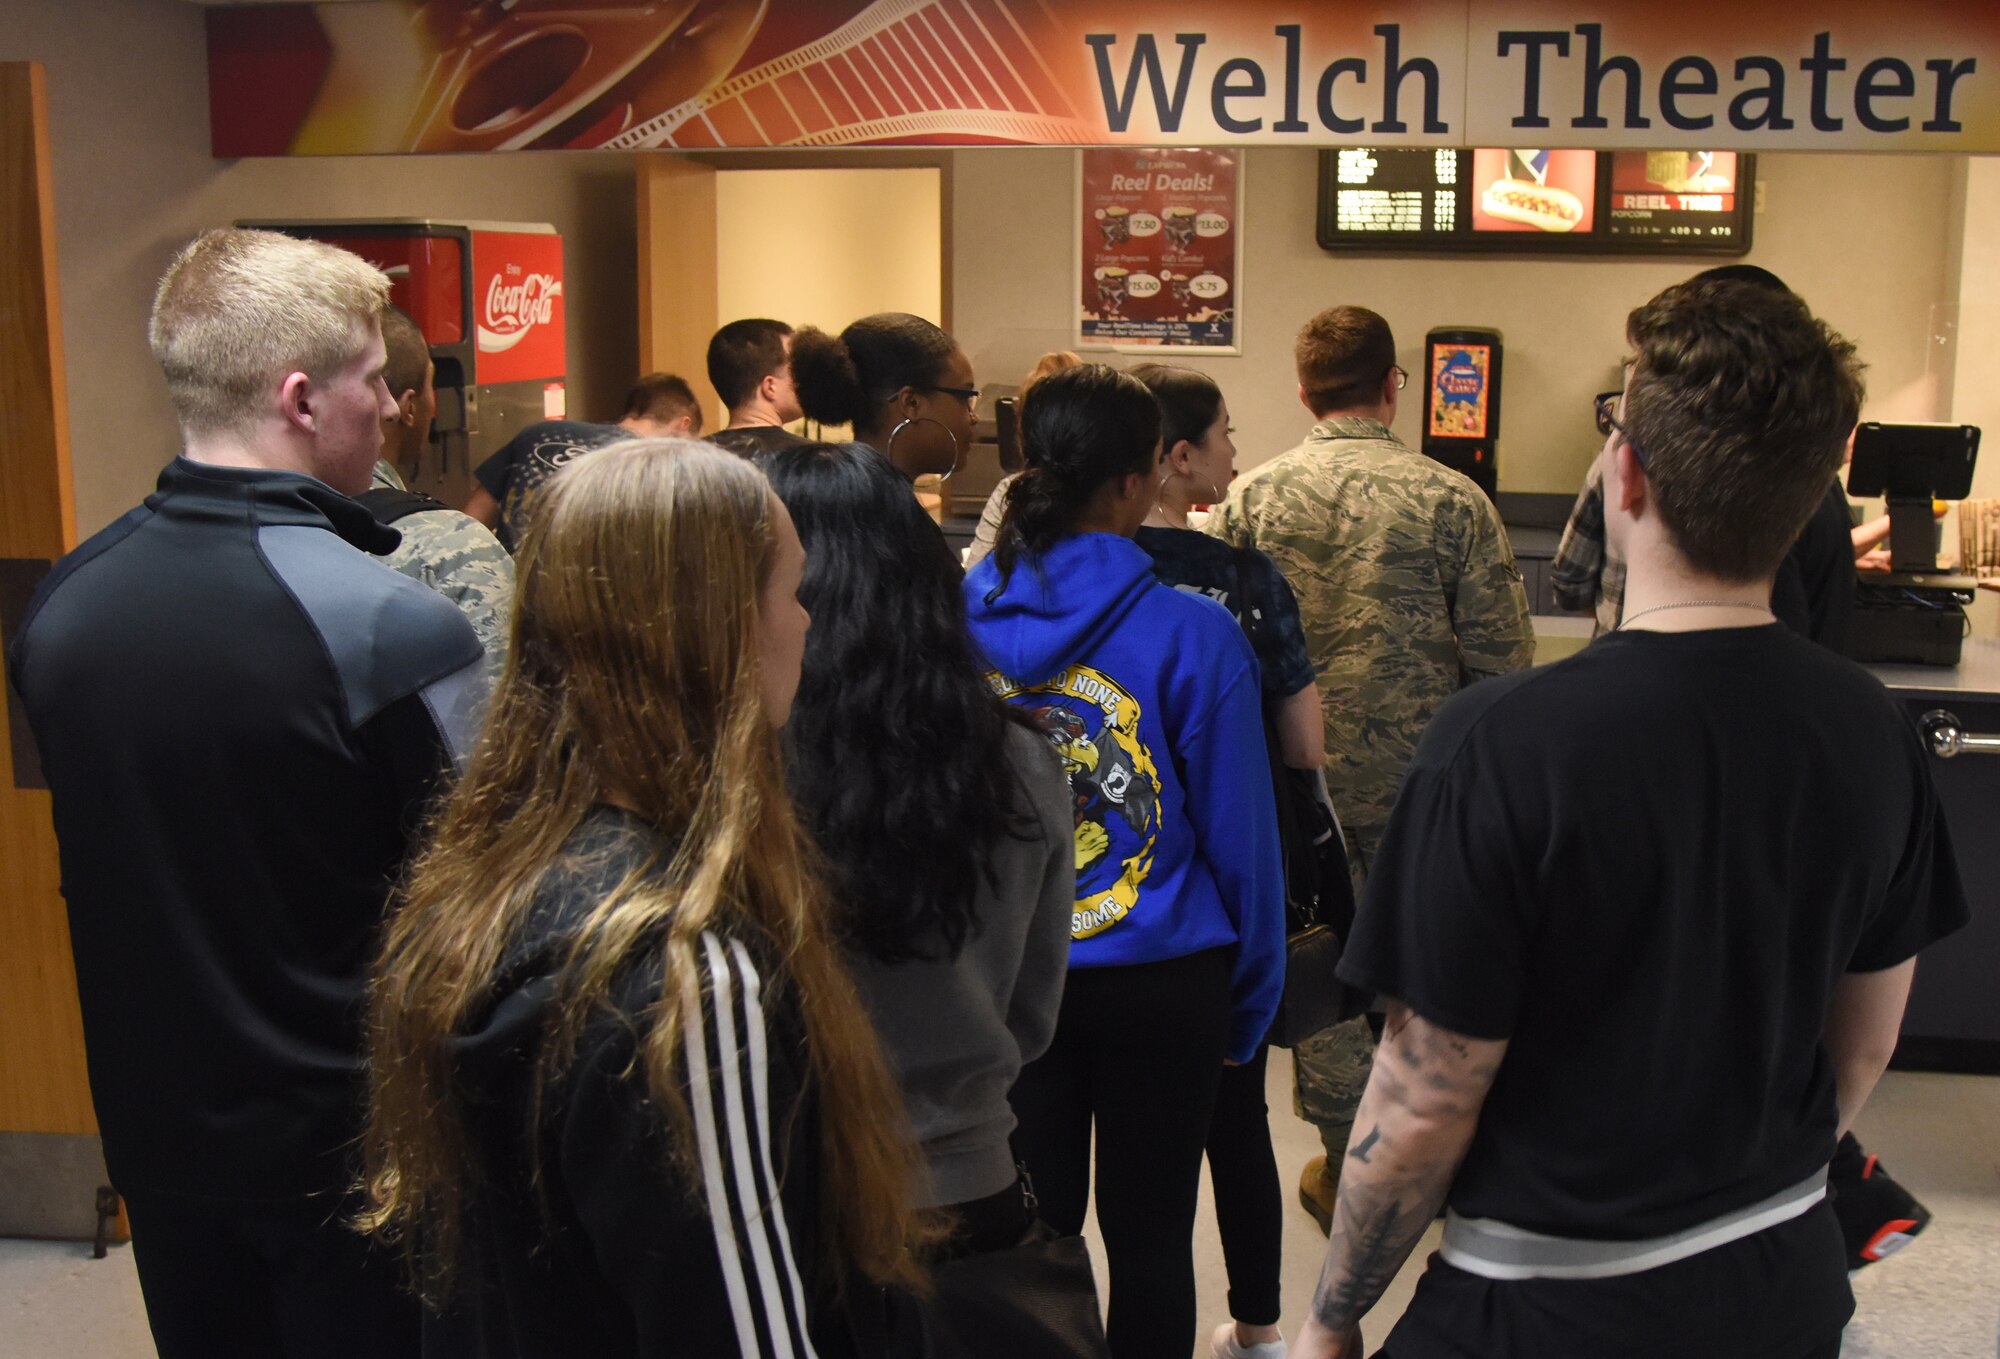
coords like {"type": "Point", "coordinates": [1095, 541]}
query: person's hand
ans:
{"type": "Point", "coordinates": [1875, 560]}
{"type": "Point", "coordinates": [1317, 1342]}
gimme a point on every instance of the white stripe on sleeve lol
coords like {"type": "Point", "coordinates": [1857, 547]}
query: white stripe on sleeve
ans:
{"type": "Point", "coordinates": [694, 1038]}
{"type": "Point", "coordinates": [760, 1075]}
{"type": "Point", "coordinates": [741, 1149]}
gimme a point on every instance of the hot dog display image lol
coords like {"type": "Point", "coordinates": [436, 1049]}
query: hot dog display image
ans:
{"type": "Point", "coordinates": [1537, 205]}
{"type": "Point", "coordinates": [1534, 190]}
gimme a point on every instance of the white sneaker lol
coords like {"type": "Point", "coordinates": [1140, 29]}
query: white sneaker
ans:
{"type": "Point", "coordinates": [1224, 1346]}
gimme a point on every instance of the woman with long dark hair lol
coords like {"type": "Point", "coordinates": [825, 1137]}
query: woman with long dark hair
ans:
{"type": "Point", "coordinates": [902, 383]}
{"type": "Point", "coordinates": [1199, 464]}
{"type": "Point", "coordinates": [623, 1100]}
{"type": "Point", "coordinates": [1150, 696]}
{"type": "Point", "coordinates": [945, 823]}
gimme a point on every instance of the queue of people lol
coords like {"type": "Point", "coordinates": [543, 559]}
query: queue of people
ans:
{"type": "Point", "coordinates": [805, 933]}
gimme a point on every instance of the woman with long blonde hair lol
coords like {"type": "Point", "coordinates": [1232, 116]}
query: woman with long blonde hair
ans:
{"type": "Point", "coordinates": [623, 1099]}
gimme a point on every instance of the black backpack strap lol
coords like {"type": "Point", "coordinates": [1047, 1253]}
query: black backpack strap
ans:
{"type": "Point", "coordinates": [390, 503]}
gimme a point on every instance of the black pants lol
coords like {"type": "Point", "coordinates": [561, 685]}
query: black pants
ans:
{"type": "Point", "coordinates": [1138, 1053]}
{"type": "Point", "coordinates": [267, 1280]}
{"type": "Point", "coordinates": [1249, 1203]}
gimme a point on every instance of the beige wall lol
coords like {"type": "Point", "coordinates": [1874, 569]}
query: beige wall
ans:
{"type": "Point", "coordinates": [128, 106]}
{"type": "Point", "coordinates": [1871, 241]}
{"type": "Point", "coordinates": [1863, 238]}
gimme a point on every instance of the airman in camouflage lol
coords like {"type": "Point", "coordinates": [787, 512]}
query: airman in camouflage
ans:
{"type": "Point", "coordinates": [1407, 591]}
{"type": "Point", "coordinates": [459, 557]}
{"type": "Point", "coordinates": [453, 553]}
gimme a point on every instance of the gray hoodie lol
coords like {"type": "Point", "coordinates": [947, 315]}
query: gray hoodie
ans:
{"type": "Point", "coordinates": [958, 1032]}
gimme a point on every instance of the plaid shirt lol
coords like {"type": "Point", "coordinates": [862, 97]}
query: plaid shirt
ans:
{"type": "Point", "coordinates": [1585, 573]}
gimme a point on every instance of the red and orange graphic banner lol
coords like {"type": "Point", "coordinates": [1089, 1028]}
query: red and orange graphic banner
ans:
{"type": "Point", "coordinates": [480, 75]}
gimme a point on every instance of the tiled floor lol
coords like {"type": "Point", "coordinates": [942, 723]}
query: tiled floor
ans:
{"type": "Point", "coordinates": [1941, 1300]}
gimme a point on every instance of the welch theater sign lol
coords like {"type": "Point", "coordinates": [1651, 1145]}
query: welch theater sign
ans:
{"type": "Point", "coordinates": [466, 75]}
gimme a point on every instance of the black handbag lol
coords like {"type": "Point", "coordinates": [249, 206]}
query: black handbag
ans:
{"type": "Point", "coordinates": [1034, 1300]}
{"type": "Point", "coordinates": [1319, 894]}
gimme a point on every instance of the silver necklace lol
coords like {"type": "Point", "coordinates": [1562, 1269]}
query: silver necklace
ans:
{"type": "Point", "coordinates": [1624, 623]}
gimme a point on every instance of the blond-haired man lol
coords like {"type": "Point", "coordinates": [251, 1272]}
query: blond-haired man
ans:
{"type": "Point", "coordinates": [240, 716]}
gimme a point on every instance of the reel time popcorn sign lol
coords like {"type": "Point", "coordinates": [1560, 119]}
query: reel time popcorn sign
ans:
{"type": "Point", "coordinates": [1158, 250]}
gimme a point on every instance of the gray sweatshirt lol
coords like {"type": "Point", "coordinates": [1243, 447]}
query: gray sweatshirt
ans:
{"type": "Point", "coordinates": [957, 1033]}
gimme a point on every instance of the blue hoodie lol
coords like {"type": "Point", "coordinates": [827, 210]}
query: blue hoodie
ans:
{"type": "Point", "coordinates": [1152, 698]}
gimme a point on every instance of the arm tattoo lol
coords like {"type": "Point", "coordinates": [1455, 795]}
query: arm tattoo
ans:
{"type": "Point", "coordinates": [1373, 1232]}
{"type": "Point", "coordinates": [1421, 1106]}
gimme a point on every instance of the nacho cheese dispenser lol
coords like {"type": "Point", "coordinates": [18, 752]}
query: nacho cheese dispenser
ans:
{"type": "Point", "coordinates": [1461, 380]}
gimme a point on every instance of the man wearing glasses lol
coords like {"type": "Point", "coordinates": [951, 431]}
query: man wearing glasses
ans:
{"type": "Point", "coordinates": [1644, 921]}
{"type": "Point", "coordinates": [1407, 591]}
{"type": "Point", "coordinates": [1814, 590]}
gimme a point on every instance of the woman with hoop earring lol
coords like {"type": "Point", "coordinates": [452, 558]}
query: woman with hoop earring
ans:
{"type": "Point", "coordinates": [1197, 464]}
{"type": "Point", "coordinates": [902, 383]}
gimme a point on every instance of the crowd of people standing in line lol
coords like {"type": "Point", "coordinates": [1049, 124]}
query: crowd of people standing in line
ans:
{"type": "Point", "coordinates": [798, 909]}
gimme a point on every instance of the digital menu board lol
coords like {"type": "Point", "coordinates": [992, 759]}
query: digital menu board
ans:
{"type": "Point", "coordinates": [1535, 201]}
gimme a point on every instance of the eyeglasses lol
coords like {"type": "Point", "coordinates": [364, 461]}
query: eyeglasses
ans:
{"type": "Point", "coordinates": [969, 395]}
{"type": "Point", "coordinates": [1605, 403]}
{"type": "Point", "coordinates": [1402, 376]}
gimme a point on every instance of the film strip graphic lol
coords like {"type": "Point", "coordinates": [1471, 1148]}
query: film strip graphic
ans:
{"type": "Point", "coordinates": [901, 69]}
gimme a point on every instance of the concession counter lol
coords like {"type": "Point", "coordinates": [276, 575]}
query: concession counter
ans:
{"type": "Point", "coordinates": [1953, 1023]}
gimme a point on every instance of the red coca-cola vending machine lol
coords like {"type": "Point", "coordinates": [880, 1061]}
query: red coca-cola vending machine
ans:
{"type": "Point", "coordinates": [489, 298]}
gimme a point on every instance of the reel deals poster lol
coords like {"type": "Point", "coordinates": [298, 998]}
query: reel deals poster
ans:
{"type": "Point", "coordinates": [1159, 268]}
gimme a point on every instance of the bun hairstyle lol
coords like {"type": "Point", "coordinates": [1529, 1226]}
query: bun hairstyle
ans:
{"type": "Point", "coordinates": [841, 379]}
{"type": "Point", "coordinates": [1189, 401]}
{"type": "Point", "coordinates": [1080, 428]}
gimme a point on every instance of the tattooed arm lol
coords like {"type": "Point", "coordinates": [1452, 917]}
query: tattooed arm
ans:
{"type": "Point", "coordinates": [1412, 1129]}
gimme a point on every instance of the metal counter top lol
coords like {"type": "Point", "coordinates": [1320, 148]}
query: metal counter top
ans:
{"type": "Point", "coordinates": [1977, 674]}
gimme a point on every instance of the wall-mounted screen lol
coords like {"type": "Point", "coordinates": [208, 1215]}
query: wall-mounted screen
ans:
{"type": "Point", "coordinates": [1535, 201]}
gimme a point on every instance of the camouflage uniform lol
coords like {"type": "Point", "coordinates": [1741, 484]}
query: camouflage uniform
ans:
{"type": "Point", "coordinates": [1408, 592]}
{"type": "Point", "coordinates": [459, 557]}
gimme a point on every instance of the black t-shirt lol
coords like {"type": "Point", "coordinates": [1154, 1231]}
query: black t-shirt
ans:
{"type": "Point", "coordinates": [1208, 566]}
{"type": "Point", "coordinates": [1814, 592]}
{"type": "Point", "coordinates": [531, 458]}
{"type": "Point", "coordinates": [751, 440]}
{"type": "Point", "coordinates": [1647, 866]}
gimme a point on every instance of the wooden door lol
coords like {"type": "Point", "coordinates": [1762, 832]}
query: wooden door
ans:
{"type": "Point", "coordinates": [50, 1164]}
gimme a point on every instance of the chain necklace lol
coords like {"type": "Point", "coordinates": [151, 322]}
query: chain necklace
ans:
{"type": "Point", "coordinates": [1624, 623]}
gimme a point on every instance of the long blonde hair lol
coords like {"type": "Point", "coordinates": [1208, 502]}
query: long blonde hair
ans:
{"type": "Point", "coordinates": [634, 673]}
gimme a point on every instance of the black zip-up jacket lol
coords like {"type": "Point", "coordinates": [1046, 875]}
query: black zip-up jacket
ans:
{"type": "Point", "coordinates": [585, 1234]}
{"type": "Point", "coordinates": [241, 715]}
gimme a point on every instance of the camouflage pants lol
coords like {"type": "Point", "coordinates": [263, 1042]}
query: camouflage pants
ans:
{"type": "Point", "coordinates": [1329, 1072]}
{"type": "Point", "coordinates": [1330, 1069]}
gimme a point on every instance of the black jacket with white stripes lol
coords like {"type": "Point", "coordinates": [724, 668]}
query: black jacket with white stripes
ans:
{"type": "Point", "coordinates": [626, 1251]}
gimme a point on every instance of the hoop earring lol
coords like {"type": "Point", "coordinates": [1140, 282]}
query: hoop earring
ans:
{"type": "Point", "coordinates": [956, 452]}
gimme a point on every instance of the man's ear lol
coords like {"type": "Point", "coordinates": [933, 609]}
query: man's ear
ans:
{"type": "Point", "coordinates": [768, 388]}
{"type": "Point", "coordinates": [1630, 485]}
{"type": "Point", "coordinates": [406, 409]}
{"type": "Point", "coordinates": [1306, 402]}
{"type": "Point", "coordinates": [295, 403]}
{"type": "Point", "coordinates": [681, 427]}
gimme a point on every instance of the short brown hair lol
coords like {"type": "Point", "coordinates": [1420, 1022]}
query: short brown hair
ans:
{"type": "Point", "coordinates": [1740, 404]}
{"type": "Point", "coordinates": [1343, 354]}
{"type": "Point", "coordinates": [409, 354]}
{"type": "Point", "coordinates": [662, 397]}
{"type": "Point", "coordinates": [237, 310]}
